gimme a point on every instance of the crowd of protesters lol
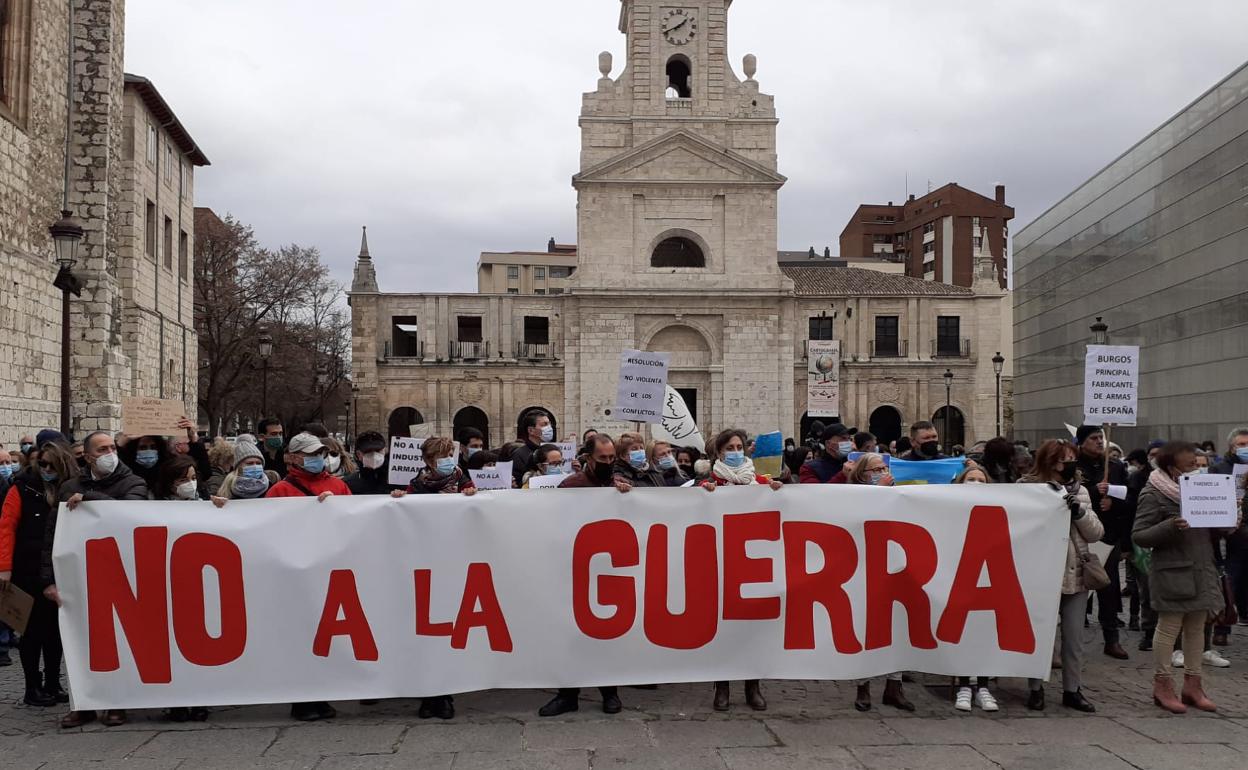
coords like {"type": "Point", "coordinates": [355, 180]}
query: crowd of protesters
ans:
{"type": "Point", "coordinates": [1183, 588]}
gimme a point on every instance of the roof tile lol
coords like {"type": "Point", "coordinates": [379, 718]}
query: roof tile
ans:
{"type": "Point", "coordinates": [856, 281]}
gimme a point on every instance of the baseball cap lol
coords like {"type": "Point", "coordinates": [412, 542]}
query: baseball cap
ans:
{"type": "Point", "coordinates": [305, 443]}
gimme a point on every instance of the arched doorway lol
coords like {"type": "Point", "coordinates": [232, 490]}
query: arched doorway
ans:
{"type": "Point", "coordinates": [808, 422]}
{"type": "Point", "coordinates": [472, 417]}
{"type": "Point", "coordinates": [885, 425]}
{"type": "Point", "coordinates": [402, 420]}
{"type": "Point", "coordinates": [521, 433]}
{"type": "Point", "coordinates": [952, 427]}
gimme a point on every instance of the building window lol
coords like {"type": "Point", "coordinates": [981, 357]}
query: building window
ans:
{"type": "Point", "coordinates": [886, 335]}
{"type": "Point", "coordinates": [561, 272]}
{"type": "Point", "coordinates": [821, 328]}
{"type": "Point", "coordinates": [149, 234]}
{"type": "Point", "coordinates": [15, 50]}
{"type": "Point", "coordinates": [183, 254]}
{"type": "Point", "coordinates": [405, 337]}
{"type": "Point", "coordinates": [978, 241]}
{"type": "Point", "coordinates": [556, 291]}
{"type": "Point", "coordinates": [883, 238]}
{"type": "Point", "coordinates": [539, 291]}
{"type": "Point", "coordinates": [168, 243]}
{"type": "Point", "coordinates": [929, 247]}
{"type": "Point", "coordinates": [679, 78]}
{"type": "Point", "coordinates": [468, 328]}
{"type": "Point", "coordinates": [930, 227]}
{"type": "Point", "coordinates": [151, 145]}
{"type": "Point", "coordinates": [536, 330]}
{"type": "Point", "coordinates": [168, 162]}
{"type": "Point", "coordinates": [948, 335]}
{"type": "Point", "coordinates": [513, 273]}
{"type": "Point", "coordinates": [677, 252]}
{"type": "Point", "coordinates": [975, 224]}
{"type": "Point", "coordinates": [513, 291]}
{"type": "Point", "coordinates": [539, 273]}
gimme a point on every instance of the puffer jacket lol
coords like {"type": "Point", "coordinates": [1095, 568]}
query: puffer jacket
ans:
{"type": "Point", "coordinates": [647, 477]}
{"type": "Point", "coordinates": [1183, 577]}
{"type": "Point", "coordinates": [1087, 529]}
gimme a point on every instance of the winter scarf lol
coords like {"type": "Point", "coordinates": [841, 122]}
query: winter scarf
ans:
{"type": "Point", "coordinates": [742, 474]}
{"type": "Point", "coordinates": [1162, 482]}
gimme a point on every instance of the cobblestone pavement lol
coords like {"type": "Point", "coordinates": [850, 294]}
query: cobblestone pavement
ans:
{"type": "Point", "coordinates": [809, 725]}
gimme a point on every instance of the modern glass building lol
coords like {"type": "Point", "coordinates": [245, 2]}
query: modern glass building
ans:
{"type": "Point", "coordinates": [1157, 245]}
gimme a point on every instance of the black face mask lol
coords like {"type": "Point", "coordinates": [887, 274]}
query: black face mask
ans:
{"type": "Point", "coordinates": [603, 473]}
{"type": "Point", "coordinates": [929, 448]}
{"type": "Point", "coordinates": [1068, 472]}
{"type": "Point", "coordinates": [82, 463]}
{"type": "Point", "coordinates": [687, 470]}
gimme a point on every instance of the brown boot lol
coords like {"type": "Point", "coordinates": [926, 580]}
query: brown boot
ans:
{"type": "Point", "coordinates": [721, 697]}
{"type": "Point", "coordinates": [1164, 697]}
{"type": "Point", "coordinates": [896, 697]}
{"type": "Point", "coordinates": [754, 695]}
{"type": "Point", "coordinates": [1194, 694]}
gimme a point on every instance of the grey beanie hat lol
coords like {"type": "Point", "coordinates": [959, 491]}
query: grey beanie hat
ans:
{"type": "Point", "coordinates": [244, 450]}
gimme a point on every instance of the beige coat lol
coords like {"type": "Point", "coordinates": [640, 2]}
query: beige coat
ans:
{"type": "Point", "coordinates": [1087, 529]}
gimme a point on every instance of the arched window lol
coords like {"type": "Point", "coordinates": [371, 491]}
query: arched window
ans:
{"type": "Point", "coordinates": [886, 425]}
{"type": "Point", "coordinates": [680, 77]}
{"type": "Point", "coordinates": [952, 427]}
{"type": "Point", "coordinates": [402, 419]}
{"type": "Point", "coordinates": [472, 417]}
{"type": "Point", "coordinates": [678, 252]}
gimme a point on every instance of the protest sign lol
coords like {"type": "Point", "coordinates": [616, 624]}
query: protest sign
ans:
{"type": "Point", "coordinates": [1241, 479]}
{"type": "Point", "coordinates": [15, 607]}
{"type": "Point", "coordinates": [678, 427]}
{"type": "Point", "coordinates": [497, 477]}
{"type": "Point", "coordinates": [1208, 501]}
{"type": "Point", "coordinates": [769, 454]}
{"type": "Point", "coordinates": [643, 381]}
{"type": "Point", "coordinates": [1111, 381]}
{"type": "Point", "coordinates": [151, 416]}
{"type": "Point", "coordinates": [424, 430]}
{"type": "Point", "coordinates": [407, 458]}
{"type": "Point", "coordinates": [926, 471]}
{"type": "Point", "coordinates": [823, 383]}
{"type": "Point", "coordinates": [547, 482]}
{"type": "Point", "coordinates": [177, 604]}
{"type": "Point", "coordinates": [568, 450]}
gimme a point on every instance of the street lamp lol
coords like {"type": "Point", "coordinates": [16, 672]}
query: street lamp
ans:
{"type": "Point", "coordinates": [355, 408]}
{"type": "Point", "coordinates": [998, 365]}
{"type": "Point", "coordinates": [1100, 332]}
{"type": "Point", "coordinates": [66, 233]}
{"type": "Point", "coordinates": [266, 350]}
{"type": "Point", "coordinates": [948, 375]}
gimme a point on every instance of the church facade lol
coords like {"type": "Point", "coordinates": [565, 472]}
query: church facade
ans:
{"type": "Point", "coordinates": [677, 252]}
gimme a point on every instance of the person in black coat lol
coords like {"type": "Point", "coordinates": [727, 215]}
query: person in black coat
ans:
{"type": "Point", "coordinates": [1118, 517]}
{"type": "Point", "coordinates": [373, 477]}
{"type": "Point", "coordinates": [924, 443]}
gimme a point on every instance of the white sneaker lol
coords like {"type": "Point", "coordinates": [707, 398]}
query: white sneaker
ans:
{"type": "Point", "coordinates": [963, 703]}
{"type": "Point", "coordinates": [1176, 659]}
{"type": "Point", "coordinates": [985, 701]}
{"type": "Point", "coordinates": [1212, 658]}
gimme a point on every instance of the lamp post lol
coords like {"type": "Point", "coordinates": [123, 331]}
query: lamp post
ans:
{"type": "Point", "coordinates": [948, 375]}
{"type": "Point", "coordinates": [998, 365]}
{"type": "Point", "coordinates": [1100, 332]}
{"type": "Point", "coordinates": [66, 233]}
{"type": "Point", "coordinates": [266, 350]}
{"type": "Point", "coordinates": [355, 408]}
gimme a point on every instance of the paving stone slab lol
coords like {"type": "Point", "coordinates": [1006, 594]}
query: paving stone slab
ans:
{"type": "Point", "coordinates": [659, 759]}
{"type": "Point", "coordinates": [964, 730]}
{"type": "Point", "coordinates": [1176, 728]}
{"type": "Point", "coordinates": [64, 748]}
{"type": "Point", "coordinates": [711, 733]}
{"type": "Point", "coordinates": [576, 734]}
{"type": "Point", "coordinates": [452, 737]}
{"type": "Point", "coordinates": [786, 758]}
{"type": "Point", "coordinates": [833, 732]}
{"type": "Point", "coordinates": [573, 759]}
{"type": "Point", "coordinates": [327, 738]}
{"type": "Point", "coordinates": [382, 762]}
{"type": "Point", "coordinates": [245, 743]}
{"type": "Point", "coordinates": [1178, 756]}
{"type": "Point", "coordinates": [921, 758]}
{"type": "Point", "coordinates": [1035, 757]}
{"type": "Point", "coordinates": [1079, 730]}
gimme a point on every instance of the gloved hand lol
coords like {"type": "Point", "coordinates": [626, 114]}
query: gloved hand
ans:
{"type": "Point", "coordinates": [1072, 502]}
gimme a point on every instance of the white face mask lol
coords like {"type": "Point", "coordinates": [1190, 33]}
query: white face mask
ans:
{"type": "Point", "coordinates": [374, 460]}
{"type": "Point", "coordinates": [106, 464]}
{"type": "Point", "coordinates": [332, 464]}
{"type": "Point", "coordinates": [187, 490]}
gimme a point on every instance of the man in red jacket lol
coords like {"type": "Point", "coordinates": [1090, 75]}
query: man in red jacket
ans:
{"type": "Point", "coordinates": [306, 477]}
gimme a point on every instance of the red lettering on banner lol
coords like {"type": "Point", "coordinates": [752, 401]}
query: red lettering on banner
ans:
{"type": "Point", "coordinates": [424, 627]}
{"type": "Point", "coordinates": [190, 554]}
{"type": "Point", "coordinates": [988, 545]}
{"type": "Point", "coordinates": [884, 588]}
{"type": "Point", "coordinates": [479, 590]}
{"type": "Point", "coordinates": [826, 587]}
{"type": "Point", "coordinates": [342, 597]}
{"type": "Point", "coordinates": [696, 626]}
{"type": "Point", "coordinates": [142, 611]}
{"type": "Point", "coordinates": [740, 569]}
{"type": "Point", "coordinates": [618, 540]}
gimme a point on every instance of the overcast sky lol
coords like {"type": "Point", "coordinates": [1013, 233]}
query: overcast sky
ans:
{"type": "Point", "coordinates": [450, 128]}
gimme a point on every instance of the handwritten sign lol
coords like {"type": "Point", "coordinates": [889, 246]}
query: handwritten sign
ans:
{"type": "Point", "coordinates": [1111, 383]}
{"type": "Point", "coordinates": [1208, 501]}
{"type": "Point", "coordinates": [678, 427]}
{"type": "Point", "coordinates": [407, 458]}
{"type": "Point", "coordinates": [643, 379]}
{"type": "Point", "coordinates": [568, 450]}
{"type": "Point", "coordinates": [546, 482]}
{"type": "Point", "coordinates": [15, 607]}
{"type": "Point", "coordinates": [823, 378]}
{"type": "Point", "coordinates": [151, 416]}
{"type": "Point", "coordinates": [496, 477]}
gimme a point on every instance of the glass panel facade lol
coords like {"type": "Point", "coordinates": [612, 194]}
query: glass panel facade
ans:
{"type": "Point", "coordinates": [1157, 244]}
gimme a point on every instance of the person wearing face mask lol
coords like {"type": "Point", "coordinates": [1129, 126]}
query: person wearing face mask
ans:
{"type": "Point", "coordinates": [248, 480]}
{"type": "Point", "coordinates": [1236, 456]}
{"type": "Point", "coordinates": [273, 444]}
{"type": "Point", "coordinates": [25, 444]}
{"type": "Point", "coordinates": [8, 470]}
{"type": "Point", "coordinates": [143, 455]}
{"type": "Point", "coordinates": [1184, 586]}
{"type": "Point", "coordinates": [733, 468]}
{"type": "Point", "coordinates": [441, 474]}
{"type": "Point", "coordinates": [471, 441]}
{"type": "Point", "coordinates": [1056, 466]}
{"type": "Point", "coordinates": [687, 460]}
{"type": "Point", "coordinates": [827, 467]}
{"type": "Point", "coordinates": [537, 430]}
{"type": "Point", "coordinates": [27, 510]}
{"type": "Point", "coordinates": [373, 476]}
{"type": "Point", "coordinates": [663, 459]}
{"type": "Point", "coordinates": [633, 465]}
{"type": "Point", "coordinates": [105, 478]}
{"type": "Point", "coordinates": [338, 461]}
{"type": "Point", "coordinates": [924, 442]}
{"type": "Point", "coordinates": [547, 461]}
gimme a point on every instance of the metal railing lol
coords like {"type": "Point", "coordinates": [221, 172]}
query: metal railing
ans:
{"type": "Point", "coordinates": [469, 351]}
{"type": "Point", "coordinates": [532, 351]}
{"type": "Point", "coordinates": [412, 349]}
{"type": "Point", "coordinates": [951, 348]}
{"type": "Point", "coordinates": [890, 348]}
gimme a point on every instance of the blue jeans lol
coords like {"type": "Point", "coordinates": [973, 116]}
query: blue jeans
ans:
{"type": "Point", "coordinates": [6, 639]}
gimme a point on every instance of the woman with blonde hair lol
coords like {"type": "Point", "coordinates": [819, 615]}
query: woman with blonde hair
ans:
{"type": "Point", "coordinates": [339, 461]}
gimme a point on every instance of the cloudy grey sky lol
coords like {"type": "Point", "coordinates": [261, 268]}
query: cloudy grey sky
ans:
{"type": "Point", "coordinates": [450, 128]}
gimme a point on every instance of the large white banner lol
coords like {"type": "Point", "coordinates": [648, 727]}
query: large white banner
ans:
{"type": "Point", "coordinates": [179, 603]}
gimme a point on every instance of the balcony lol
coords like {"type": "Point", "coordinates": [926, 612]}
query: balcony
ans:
{"type": "Point", "coordinates": [951, 347]}
{"type": "Point", "coordinates": [469, 351]}
{"type": "Point", "coordinates": [890, 348]}
{"type": "Point", "coordinates": [533, 352]}
{"type": "Point", "coordinates": [413, 349]}
{"type": "Point", "coordinates": [679, 106]}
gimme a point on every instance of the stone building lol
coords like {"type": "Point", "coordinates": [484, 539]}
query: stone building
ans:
{"type": "Point", "coordinates": [677, 252]}
{"type": "Point", "coordinates": [130, 327]}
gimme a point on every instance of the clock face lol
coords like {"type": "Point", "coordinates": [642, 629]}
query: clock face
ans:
{"type": "Point", "coordinates": [679, 26]}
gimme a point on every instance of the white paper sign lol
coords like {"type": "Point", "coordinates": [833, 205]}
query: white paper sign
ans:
{"type": "Point", "coordinates": [1241, 476]}
{"type": "Point", "coordinates": [1208, 500]}
{"type": "Point", "coordinates": [498, 477]}
{"type": "Point", "coordinates": [546, 482]}
{"type": "Point", "coordinates": [643, 380]}
{"type": "Point", "coordinates": [407, 458]}
{"type": "Point", "coordinates": [1117, 492]}
{"type": "Point", "coordinates": [1111, 383]}
{"type": "Point", "coordinates": [568, 450]}
{"type": "Point", "coordinates": [823, 385]}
